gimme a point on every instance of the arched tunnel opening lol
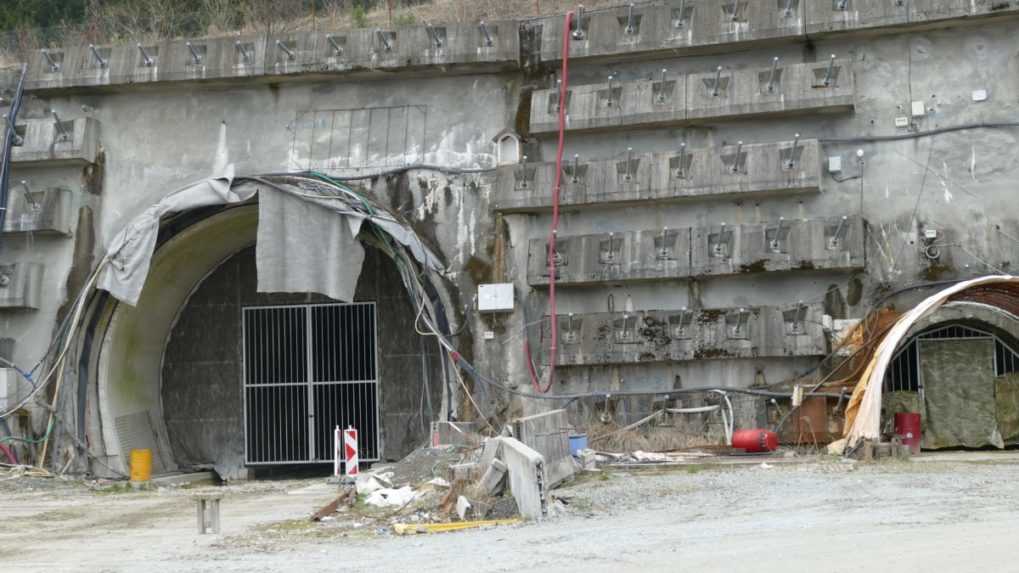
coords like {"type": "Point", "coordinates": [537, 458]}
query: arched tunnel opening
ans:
{"type": "Point", "coordinates": [209, 373]}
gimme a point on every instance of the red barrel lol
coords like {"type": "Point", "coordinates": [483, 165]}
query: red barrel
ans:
{"type": "Point", "coordinates": [907, 427]}
{"type": "Point", "coordinates": [754, 441]}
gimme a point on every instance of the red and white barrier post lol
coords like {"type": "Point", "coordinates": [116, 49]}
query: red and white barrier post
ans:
{"type": "Point", "coordinates": [345, 452]}
{"type": "Point", "coordinates": [350, 451]}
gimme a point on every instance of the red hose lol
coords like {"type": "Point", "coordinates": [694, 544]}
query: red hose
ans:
{"type": "Point", "coordinates": [9, 452]}
{"type": "Point", "coordinates": [554, 229]}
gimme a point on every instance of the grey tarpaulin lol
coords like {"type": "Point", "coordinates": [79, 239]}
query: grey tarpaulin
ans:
{"type": "Point", "coordinates": [318, 253]}
{"type": "Point", "coordinates": [303, 247]}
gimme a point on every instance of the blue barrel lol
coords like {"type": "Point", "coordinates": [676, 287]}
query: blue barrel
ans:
{"type": "Point", "coordinates": [577, 442]}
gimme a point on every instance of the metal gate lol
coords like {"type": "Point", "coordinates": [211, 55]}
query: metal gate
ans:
{"type": "Point", "coordinates": [308, 369]}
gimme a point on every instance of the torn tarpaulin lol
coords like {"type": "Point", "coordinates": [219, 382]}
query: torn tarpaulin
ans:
{"type": "Point", "coordinates": [286, 244]}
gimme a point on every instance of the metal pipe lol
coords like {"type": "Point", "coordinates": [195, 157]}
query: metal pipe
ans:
{"type": "Point", "coordinates": [484, 32]}
{"type": "Point", "coordinates": [842, 224]}
{"type": "Point", "coordinates": [62, 134]}
{"type": "Point", "coordinates": [280, 45]}
{"type": "Point", "coordinates": [244, 52]}
{"type": "Point", "coordinates": [829, 75]}
{"type": "Point", "coordinates": [629, 163]}
{"type": "Point", "coordinates": [630, 28]}
{"type": "Point", "coordinates": [578, 24]}
{"type": "Point", "coordinates": [54, 65]}
{"type": "Point", "coordinates": [718, 81]}
{"type": "Point", "coordinates": [28, 196]}
{"type": "Point", "coordinates": [735, 159]}
{"type": "Point", "coordinates": [791, 162]}
{"type": "Point", "coordinates": [609, 101]}
{"type": "Point", "coordinates": [576, 168]}
{"type": "Point", "coordinates": [336, 47]}
{"type": "Point", "coordinates": [195, 56]}
{"type": "Point", "coordinates": [99, 58]}
{"type": "Point", "coordinates": [434, 36]}
{"type": "Point", "coordinates": [681, 10]}
{"type": "Point", "coordinates": [382, 38]}
{"type": "Point", "coordinates": [145, 57]}
{"type": "Point", "coordinates": [771, 77]}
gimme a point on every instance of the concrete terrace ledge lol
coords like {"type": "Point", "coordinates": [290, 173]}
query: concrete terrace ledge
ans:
{"type": "Point", "coordinates": [705, 26]}
{"type": "Point", "coordinates": [492, 45]}
{"type": "Point", "coordinates": [54, 141]}
{"type": "Point", "coordinates": [724, 94]}
{"type": "Point", "coordinates": [687, 334]}
{"type": "Point", "coordinates": [834, 243]}
{"type": "Point", "coordinates": [21, 285]}
{"type": "Point", "coordinates": [42, 212]}
{"type": "Point", "coordinates": [732, 170]}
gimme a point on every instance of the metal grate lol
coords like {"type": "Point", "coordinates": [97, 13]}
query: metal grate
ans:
{"type": "Point", "coordinates": [338, 139]}
{"type": "Point", "coordinates": [308, 369]}
{"type": "Point", "coordinates": [903, 375]}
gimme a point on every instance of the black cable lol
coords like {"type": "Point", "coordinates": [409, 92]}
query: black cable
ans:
{"type": "Point", "coordinates": [8, 143]}
{"type": "Point", "coordinates": [919, 134]}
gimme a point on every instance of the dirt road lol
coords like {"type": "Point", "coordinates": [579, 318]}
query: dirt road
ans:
{"type": "Point", "coordinates": [828, 516]}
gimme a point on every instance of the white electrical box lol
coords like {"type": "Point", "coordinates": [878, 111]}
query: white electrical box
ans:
{"type": "Point", "coordinates": [496, 297]}
{"type": "Point", "coordinates": [930, 234]}
{"type": "Point", "coordinates": [979, 95]}
{"type": "Point", "coordinates": [902, 121]}
{"type": "Point", "coordinates": [919, 109]}
{"type": "Point", "coordinates": [834, 163]}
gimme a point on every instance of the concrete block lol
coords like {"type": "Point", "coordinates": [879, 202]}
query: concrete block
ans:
{"type": "Point", "coordinates": [44, 212]}
{"type": "Point", "coordinates": [847, 15]}
{"type": "Point", "coordinates": [729, 171]}
{"type": "Point", "coordinates": [718, 95]}
{"type": "Point", "coordinates": [21, 285]}
{"type": "Point", "coordinates": [468, 472]}
{"type": "Point", "coordinates": [834, 243]}
{"type": "Point", "coordinates": [497, 43]}
{"type": "Point", "coordinates": [693, 26]}
{"type": "Point", "coordinates": [72, 141]}
{"type": "Point", "coordinates": [688, 334]}
{"type": "Point", "coordinates": [590, 259]}
{"type": "Point", "coordinates": [525, 469]}
{"type": "Point", "coordinates": [491, 480]}
{"type": "Point", "coordinates": [549, 435]}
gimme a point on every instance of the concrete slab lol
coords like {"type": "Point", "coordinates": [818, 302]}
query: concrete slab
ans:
{"type": "Point", "coordinates": [527, 478]}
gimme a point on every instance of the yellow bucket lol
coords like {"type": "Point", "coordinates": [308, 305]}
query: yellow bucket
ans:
{"type": "Point", "coordinates": [141, 465]}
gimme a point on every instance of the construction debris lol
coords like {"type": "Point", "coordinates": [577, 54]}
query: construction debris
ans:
{"type": "Point", "coordinates": [390, 497]}
{"type": "Point", "coordinates": [348, 497]}
{"type": "Point", "coordinates": [492, 481]}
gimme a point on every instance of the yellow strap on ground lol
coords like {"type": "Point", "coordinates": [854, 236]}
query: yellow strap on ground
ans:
{"type": "Point", "coordinates": [414, 528]}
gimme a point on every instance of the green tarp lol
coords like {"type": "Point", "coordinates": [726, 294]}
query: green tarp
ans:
{"type": "Point", "coordinates": [1006, 398]}
{"type": "Point", "coordinates": [959, 390]}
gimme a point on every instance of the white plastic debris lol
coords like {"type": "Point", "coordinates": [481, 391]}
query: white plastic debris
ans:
{"type": "Point", "coordinates": [388, 497]}
{"type": "Point", "coordinates": [462, 505]}
{"type": "Point", "coordinates": [367, 484]}
{"type": "Point", "coordinates": [766, 466]}
{"type": "Point", "coordinates": [439, 482]}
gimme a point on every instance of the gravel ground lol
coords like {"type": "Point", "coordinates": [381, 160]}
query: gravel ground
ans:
{"type": "Point", "coordinates": [821, 516]}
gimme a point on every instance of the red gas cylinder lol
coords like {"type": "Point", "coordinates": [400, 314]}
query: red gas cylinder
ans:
{"type": "Point", "coordinates": [755, 441]}
{"type": "Point", "coordinates": [907, 427]}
